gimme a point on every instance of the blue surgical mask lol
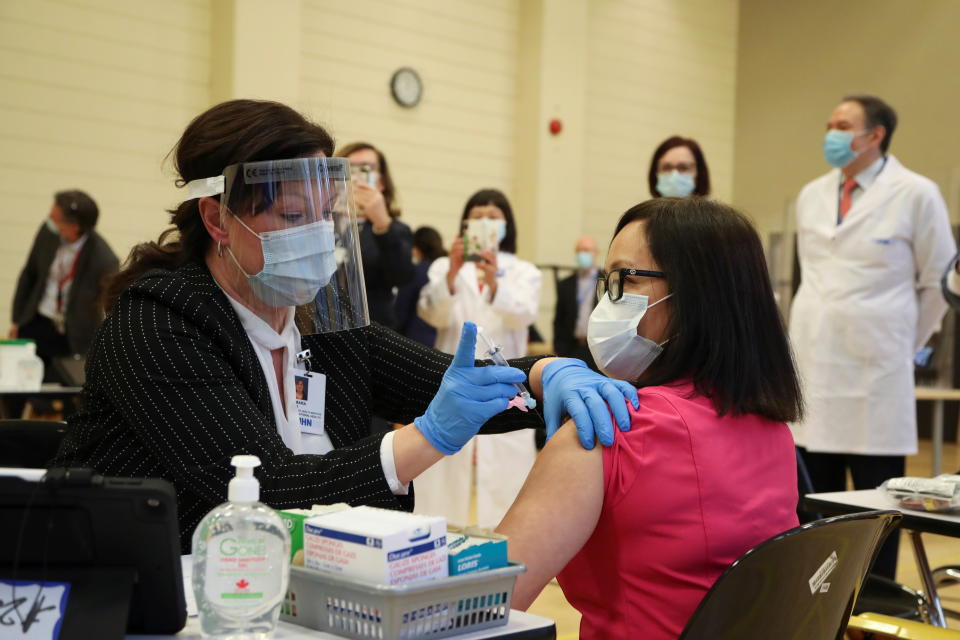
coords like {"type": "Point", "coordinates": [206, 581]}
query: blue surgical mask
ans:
{"type": "Point", "coordinates": [837, 149]}
{"type": "Point", "coordinates": [501, 230]}
{"type": "Point", "coordinates": [584, 259]}
{"type": "Point", "coordinates": [297, 263]}
{"type": "Point", "coordinates": [51, 227]}
{"type": "Point", "coordinates": [675, 184]}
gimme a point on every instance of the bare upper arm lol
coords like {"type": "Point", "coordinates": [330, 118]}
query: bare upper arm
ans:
{"type": "Point", "coordinates": [555, 513]}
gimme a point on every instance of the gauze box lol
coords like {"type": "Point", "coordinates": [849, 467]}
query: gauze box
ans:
{"type": "Point", "coordinates": [293, 519]}
{"type": "Point", "coordinates": [377, 545]}
{"type": "Point", "coordinates": [475, 551]}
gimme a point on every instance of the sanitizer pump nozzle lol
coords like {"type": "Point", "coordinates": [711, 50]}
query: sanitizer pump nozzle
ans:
{"type": "Point", "coordinates": [244, 487]}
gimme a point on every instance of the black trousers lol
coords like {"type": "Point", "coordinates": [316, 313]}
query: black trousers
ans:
{"type": "Point", "coordinates": [828, 472]}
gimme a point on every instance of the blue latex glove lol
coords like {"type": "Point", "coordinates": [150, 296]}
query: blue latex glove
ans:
{"type": "Point", "coordinates": [468, 397]}
{"type": "Point", "coordinates": [585, 395]}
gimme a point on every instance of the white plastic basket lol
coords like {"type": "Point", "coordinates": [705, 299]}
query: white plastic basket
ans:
{"type": "Point", "coordinates": [433, 609]}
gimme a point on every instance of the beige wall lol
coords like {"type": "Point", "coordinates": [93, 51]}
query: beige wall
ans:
{"type": "Point", "coordinates": [93, 94]}
{"type": "Point", "coordinates": [797, 59]}
{"type": "Point", "coordinates": [655, 68]}
{"type": "Point", "coordinates": [459, 138]}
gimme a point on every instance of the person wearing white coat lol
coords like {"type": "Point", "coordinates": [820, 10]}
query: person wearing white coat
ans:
{"type": "Point", "coordinates": [873, 241]}
{"type": "Point", "coordinates": [500, 293]}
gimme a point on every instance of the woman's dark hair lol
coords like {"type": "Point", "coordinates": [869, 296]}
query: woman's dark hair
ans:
{"type": "Point", "coordinates": [429, 242]}
{"type": "Point", "coordinates": [701, 186]}
{"type": "Point", "coordinates": [486, 197]}
{"type": "Point", "coordinates": [389, 190]}
{"type": "Point", "coordinates": [726, 333]}
{"type": "Point", "coordinates": [226, 134]}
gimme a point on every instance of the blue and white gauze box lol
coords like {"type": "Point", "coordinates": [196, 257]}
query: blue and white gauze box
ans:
{"type": "Point", "coordinates": [377, 545]}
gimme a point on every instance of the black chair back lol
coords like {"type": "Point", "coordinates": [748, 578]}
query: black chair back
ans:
{"type": "Point", "coordinates": [799, 584]}
{"type": "Point", "coordinates": [29, 443]}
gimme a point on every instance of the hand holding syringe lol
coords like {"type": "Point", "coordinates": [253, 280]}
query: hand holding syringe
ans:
{"type": "Point", "coordinates": [493, 352]}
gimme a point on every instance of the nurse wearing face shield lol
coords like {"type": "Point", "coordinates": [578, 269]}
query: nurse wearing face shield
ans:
{"type": "Point", "coordinates": [259, 283]}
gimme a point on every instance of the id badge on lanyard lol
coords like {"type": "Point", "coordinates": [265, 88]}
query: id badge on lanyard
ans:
{"type": "Point", "coordinates": [310, 395]}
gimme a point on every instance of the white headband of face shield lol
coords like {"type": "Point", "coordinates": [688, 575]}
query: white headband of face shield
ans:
{"type": "Point", "coordinates": [204, 187]}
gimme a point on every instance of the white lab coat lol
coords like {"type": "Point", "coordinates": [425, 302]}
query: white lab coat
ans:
{"type": "Point", "coordinates": [503, 460]}
{"type": "Point", "coordinates": [869, 297]}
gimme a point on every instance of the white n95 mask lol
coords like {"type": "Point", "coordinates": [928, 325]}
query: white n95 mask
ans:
{"type": "Point", "coordinates": [297, 263]}
{"type": "Point", "coordinates": [613, 340]}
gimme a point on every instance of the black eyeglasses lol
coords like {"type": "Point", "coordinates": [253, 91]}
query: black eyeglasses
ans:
{"type": "Point", "coordinates": [612, 283]}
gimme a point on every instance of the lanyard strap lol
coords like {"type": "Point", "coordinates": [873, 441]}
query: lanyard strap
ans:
{"type": "Point", "coordinates": [67, 277]}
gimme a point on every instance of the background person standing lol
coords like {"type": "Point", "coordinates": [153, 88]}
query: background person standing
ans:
{"type": "Point", "coordinates": [385, 241]}
{"type": "Point", "coordinates": [58, 298]}
{"type": "Point", "coordinates": [501, 293]}
{"type": "Point", "coordinates": [576, 298]}
{"type": "Point", "coordinates": [874, 239]}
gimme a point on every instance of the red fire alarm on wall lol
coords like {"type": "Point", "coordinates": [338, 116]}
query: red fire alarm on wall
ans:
{"type": "Point", "coordinates": [556, 126]}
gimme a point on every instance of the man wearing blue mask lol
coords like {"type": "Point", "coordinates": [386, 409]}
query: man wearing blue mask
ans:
{"type": "Point", "coordinates": [873, 241]}
{"type": "Point", "coordinates": [576, 298]}
{"type": "Point", "coordinates": [57, 300]}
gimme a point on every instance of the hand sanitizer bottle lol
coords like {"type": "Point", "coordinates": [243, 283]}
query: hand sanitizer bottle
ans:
{"type": "Point", "coordinates": [241, 562]}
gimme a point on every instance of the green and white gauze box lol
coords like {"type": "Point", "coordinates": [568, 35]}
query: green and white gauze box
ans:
{"type": "Point", "coordinates": [377, 545]}
{"type": "Point", "coordinates": [293, 520]}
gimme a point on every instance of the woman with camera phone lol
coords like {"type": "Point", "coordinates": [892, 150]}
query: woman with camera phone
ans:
{"type": "Point", "coordinates": [481, 281]}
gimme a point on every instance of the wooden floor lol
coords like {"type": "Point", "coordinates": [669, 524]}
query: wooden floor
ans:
{"type": "Point", "coordinates": [940, 551]}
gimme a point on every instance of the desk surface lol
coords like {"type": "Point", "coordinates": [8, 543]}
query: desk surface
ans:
{"type": "Point", "coordinates": [49, 388]}
{"type": "Point", "coordinates": [870, 499]}
{"type": "Point", "coordinates": [937, 393]}
{"type": "Point", "coordinates": [521, 626]}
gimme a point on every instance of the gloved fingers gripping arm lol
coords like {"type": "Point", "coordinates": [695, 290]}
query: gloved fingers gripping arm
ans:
{"type": "Point", "coordinates": [569, 385]}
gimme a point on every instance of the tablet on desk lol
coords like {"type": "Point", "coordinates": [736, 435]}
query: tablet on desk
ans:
{"type": "Point", "coordinates": [89, 556]}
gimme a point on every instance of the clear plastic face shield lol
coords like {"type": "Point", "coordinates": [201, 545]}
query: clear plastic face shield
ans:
{"type": "Point", "coordinates": [292, 238]}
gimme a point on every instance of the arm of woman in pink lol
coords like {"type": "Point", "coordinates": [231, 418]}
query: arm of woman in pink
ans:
{"type": "Point", "coordinates": [543, 535]}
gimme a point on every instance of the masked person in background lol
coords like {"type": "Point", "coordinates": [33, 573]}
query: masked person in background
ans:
{"type": "Point", "coordinates": [484, 282]}
{"type": "Point", "coordinates": [197, 358]}
{"type": "Point", "coordinates": [385, 241]}
{"type": "Point", "coordinates": [427, 247]}
{"type": "Point", "coordinates": [873, 241]}
{"type": "Point", "coordinates": [58, 299]}
{"type": "Point", "coordinates": [678, 169]}
{"type": "Point", "coordinates": [638, 532]}
{"type": "Point", "coordinates": [576, 298]}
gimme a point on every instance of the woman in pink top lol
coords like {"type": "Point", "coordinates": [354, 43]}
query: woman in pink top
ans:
{"type": "Point", "coordinates": [639, 531]}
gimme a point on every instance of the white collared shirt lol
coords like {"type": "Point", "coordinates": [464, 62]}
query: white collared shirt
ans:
{"type": "Point", "coordinates": [63, 262]}
{"type": "Point", "coordinates": [265, 340]}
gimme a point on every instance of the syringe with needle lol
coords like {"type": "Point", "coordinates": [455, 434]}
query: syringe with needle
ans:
{"type": "Point", "coordinates": [493, 352]}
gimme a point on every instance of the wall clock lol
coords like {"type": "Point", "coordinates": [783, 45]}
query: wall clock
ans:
{"type": "Point", "coordinates": [406, 86]}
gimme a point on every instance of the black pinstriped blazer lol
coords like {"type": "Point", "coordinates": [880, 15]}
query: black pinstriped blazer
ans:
{"type": "Point", "coordinates": [174, 390]}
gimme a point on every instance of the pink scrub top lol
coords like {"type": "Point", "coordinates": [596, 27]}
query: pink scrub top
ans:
{"type": "Point", "coordinates": [686, 492]}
